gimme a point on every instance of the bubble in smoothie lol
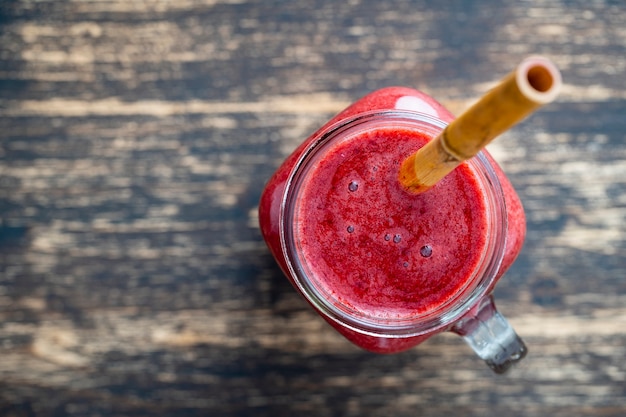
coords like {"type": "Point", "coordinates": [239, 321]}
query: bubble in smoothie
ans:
{"type": "Point", "coordinates": [397, 239]}
{"type": "Point", "coordinates": [350, 229]}
{"type": "Point", "coordinates": [426, 251]}
{"type": "Point", "coordinates": [353, 186]}
{"type": "Point", "coordinates": [387, 237]}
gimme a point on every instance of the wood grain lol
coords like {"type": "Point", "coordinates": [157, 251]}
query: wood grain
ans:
{"type": "Point", "coordinates": [135, 139]}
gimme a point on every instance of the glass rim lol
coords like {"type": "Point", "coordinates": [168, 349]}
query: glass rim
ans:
{"type": "Point", "coordinates": [445, 314]}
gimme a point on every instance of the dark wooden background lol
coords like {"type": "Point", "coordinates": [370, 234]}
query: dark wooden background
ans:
{"type": "Point", "coordinates": [135, 139]}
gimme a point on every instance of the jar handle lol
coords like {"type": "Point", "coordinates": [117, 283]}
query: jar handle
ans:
{"type": "Point", "coordinates": [491, 336]}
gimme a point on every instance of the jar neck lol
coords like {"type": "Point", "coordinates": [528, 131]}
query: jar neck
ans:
{"type": "Point", "coordinates": [440, 317]}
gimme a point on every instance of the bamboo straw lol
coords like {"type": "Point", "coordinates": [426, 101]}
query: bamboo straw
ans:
{"type": "Point", "coordinates": [535, 82]}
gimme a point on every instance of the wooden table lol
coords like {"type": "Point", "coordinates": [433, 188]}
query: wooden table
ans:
{"type": "Point", "coordinates": [136, 137]}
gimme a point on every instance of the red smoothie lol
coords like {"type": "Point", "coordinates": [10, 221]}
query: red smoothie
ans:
{"type": "Point", "coordinates": [374, 247]}
{"type": "Point", "coordinates": [371, 249]}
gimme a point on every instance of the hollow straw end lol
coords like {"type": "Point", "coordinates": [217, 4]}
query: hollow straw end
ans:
{"type": "Point", "coordinates": [538, 79]}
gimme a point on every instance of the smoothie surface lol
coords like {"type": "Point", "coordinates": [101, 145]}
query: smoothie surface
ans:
{"type": "Point", "coordinates": [377, 249]}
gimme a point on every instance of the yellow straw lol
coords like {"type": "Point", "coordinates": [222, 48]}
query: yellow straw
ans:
{"type": "Point", "coordinates": [535, 82]}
